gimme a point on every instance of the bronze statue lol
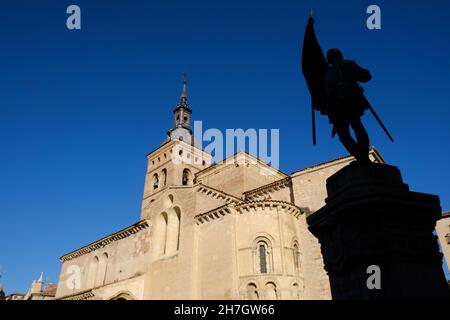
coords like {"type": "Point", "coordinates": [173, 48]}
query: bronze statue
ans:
{"type": "Point", "coordinates": [335, 91]}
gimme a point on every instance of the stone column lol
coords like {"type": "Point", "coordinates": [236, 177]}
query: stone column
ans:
{"type": "Point", "coordinates": [372, 219]}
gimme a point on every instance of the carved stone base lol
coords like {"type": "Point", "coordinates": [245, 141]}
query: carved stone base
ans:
{"type": "Point", "coordinates": [371, 218]}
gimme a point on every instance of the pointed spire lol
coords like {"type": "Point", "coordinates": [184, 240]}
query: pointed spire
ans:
{"type": "Point", "coordinates": [41, 277]}
{"type": "Point", "coordinates": [183, 101]}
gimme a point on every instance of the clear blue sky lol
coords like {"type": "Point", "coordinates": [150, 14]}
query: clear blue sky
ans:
{"type": "Point", "coordinates": [79, 110]}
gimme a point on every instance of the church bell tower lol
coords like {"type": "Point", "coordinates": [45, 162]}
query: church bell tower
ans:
{"type": "Point", "coordinates": [174, 163]}
{"type": "Point", "coordinates": [182, 119]}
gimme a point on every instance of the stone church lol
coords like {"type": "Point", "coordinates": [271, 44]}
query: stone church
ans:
{"type": "Point", "coordinates": [231, 230]}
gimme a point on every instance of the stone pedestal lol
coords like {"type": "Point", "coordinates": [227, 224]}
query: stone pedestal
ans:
{"type": "Point", "coordinates": [372, 219]}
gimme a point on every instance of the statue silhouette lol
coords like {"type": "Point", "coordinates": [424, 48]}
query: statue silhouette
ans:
{"type": "Point", "coordinates": [346, 103]}
{"type": "Point", "coordinates": [335, 91]}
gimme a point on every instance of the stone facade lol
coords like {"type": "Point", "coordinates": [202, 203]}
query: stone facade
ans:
{"type": "Point", "coordinates": [443, 232]}
{"type": "Point", "coordinates": [233, 230]}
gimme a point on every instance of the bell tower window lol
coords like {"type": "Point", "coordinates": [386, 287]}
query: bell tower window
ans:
{"type": "Point", "coordinates": [155, 181]}
{"type": "Point", "coordinates": [186, 177]}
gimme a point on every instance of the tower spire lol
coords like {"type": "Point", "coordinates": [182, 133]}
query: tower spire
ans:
{"type": "Point", "coordinates": [183, 101]}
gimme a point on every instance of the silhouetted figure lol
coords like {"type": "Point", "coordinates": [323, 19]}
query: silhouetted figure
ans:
{"type": "Point", "coordinates": [346, 103]}
{"type": "Point", "coordinates": [334, 86]}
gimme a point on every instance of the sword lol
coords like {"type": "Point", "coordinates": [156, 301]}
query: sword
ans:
{"type": "Point", "coordinates": [380, 122]}
{"type": "Point", "coordinates": [313, 125]}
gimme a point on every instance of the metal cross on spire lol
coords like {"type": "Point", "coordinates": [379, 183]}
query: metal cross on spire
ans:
{"type": "Point", "coordinates": [183, 101]}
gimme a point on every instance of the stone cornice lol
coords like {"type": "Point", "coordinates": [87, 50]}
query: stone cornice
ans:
{"type": "Point", "coordinates": [166, 145]}
{"type": "Point", "coordinates": [214, 214]}
{"type": "Point", "coordinates": [79, 296]}
{"type": "Point", "coordinates": [268, 188]}
{"type": "Point", "coordinates": [217, 194]}
{"type": "Point", "coordinates": [124, 233]}
{"type": "Point", "coordinates": [244, 207]}
{"type": "Point", "coordinates": [251, 205]}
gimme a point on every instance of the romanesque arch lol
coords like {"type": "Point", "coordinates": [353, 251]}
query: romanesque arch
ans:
{"type": "Point", "coordinates": [187, 177]}
{"type": "Point", "coordinates": [101, 270]}
{"type": "Point", "coordinates": [92, 272]}
{"type": "Point", "coordinates": [159, 234]}
{"type": "Point", "coordinates": [123, 295]}
{"type": "Point", "coordinates": [164, 177]}
{"type": "Point", "coordinates": [296, 291]}
{"type": "Point", "coordinates": [270, 291]}
{"type": "Point", "coordinates": [173, 230]}
{"type": "Point", "coordinates": [252, 291]}
{"type": "Point", "coordinates": [263, 254]}
{"type": "Point", "coordinates": [166, 226]}
{"type": "Point", "coordinates": [296, 256]}
{"type": "Point", "coordinates": [155, 181]}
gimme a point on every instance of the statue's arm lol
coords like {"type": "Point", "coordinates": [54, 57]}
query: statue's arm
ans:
{"type": "Point", "coordinates": [360, 74]}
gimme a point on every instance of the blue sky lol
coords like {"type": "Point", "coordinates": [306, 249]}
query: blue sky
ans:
{"type": "Point", "coordinates": [79, 110]}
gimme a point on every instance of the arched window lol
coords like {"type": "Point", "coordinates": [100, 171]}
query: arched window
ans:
{"type": "Point", "coordinates": [296, 291]}
{"type": "Point", "coordinates": [296, 257]}
{"type": "Point", "coordinates": [262, 248]}
{"type": "Point", "coordinates": [270, 291]}
{"type": "Point", "coordinates": [159, 235]}
{"type": "Point", "coordinates": [92, 272]}
{"type": "Point", "coordinates": [186, 177]}
{"type": "Point", "coordinates": [252, 292]}
{"type": "Point", "coordinates": [101, 271]}
{"type": "Point", "coordinates": [122, 296]}
{"type": "Point", "coordinates": [164, 177]}
{"type": "Point", "coordinates": [155, 181]}
{"type": "Point", "coordinates": [264, 255]}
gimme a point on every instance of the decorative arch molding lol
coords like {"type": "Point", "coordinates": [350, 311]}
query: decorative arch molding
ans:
{"type": "Point", "coordinates": [296, 255]}
{"type": "Point", "coordinates": [294, 241]}
{"type": "Point", "coordinates": [271, 290]}
{"type": "Point", "coordinates": [122, 295]}
{"type": "Point", "coordinates": [166, 230]}
{"type": "Point", "coordinates": [159, 234]}
{"type": "Point", "coordinates": [102, 269]}
{"type": "Point", "coordinates": [261, 236]}
{"type": "Point", "coordinates": [252, 291]}
{"type": "Point", "coordinates": [173, 230]}
{"type": "Point", "coordinates": [262, 253]}
{"type": "Point", "coordinates": [246, 290]}
{"type": "Point", "coordinates": [268, 279]}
